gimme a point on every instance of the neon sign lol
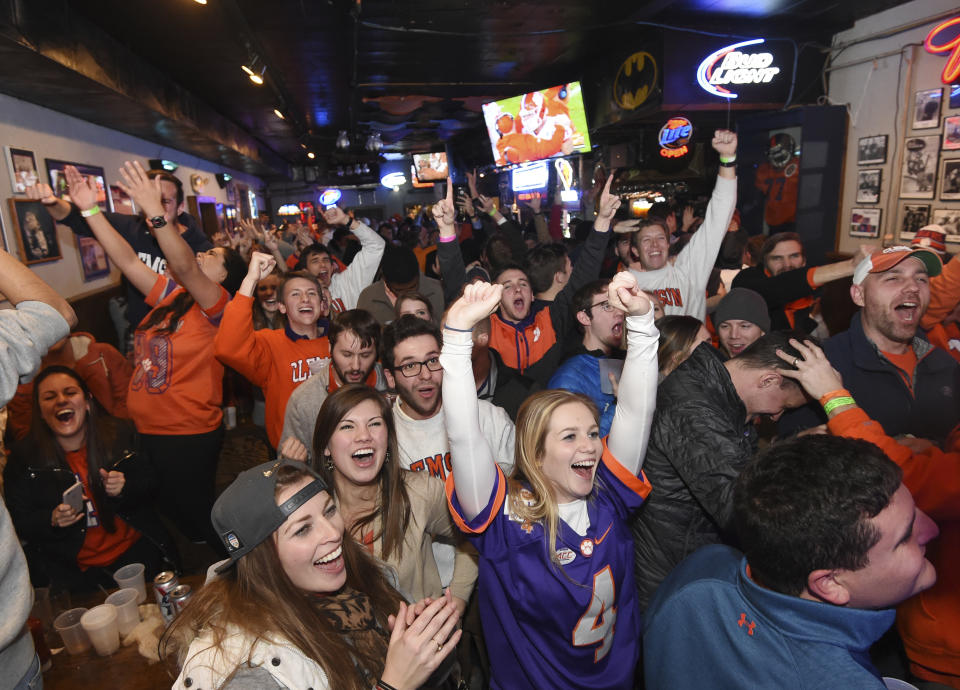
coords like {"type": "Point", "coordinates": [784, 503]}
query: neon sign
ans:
{"type": "Point", "coordinates": [330, 196]}
{"type": "Point", "coordinates": [736, 68]}
{"type": "Point", "coordinates": [674, 137]}
{"type": "Point", "coordinates": [951, 70]}
{"type": "Point", "coordinates": [393, 180]}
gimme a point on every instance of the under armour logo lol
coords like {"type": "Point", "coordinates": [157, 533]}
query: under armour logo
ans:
{"type": "Point", "coordinates": [750, 626]}
{"type": "Point", "coordinates": [536, 334]}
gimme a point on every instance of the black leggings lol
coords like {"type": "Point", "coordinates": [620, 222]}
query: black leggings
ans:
{"type": "Point", "coordinates": [186, 468]}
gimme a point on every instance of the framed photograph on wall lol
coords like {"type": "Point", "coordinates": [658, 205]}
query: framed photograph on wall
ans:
{"type": "Point", "coordinates": [868, 185]}
{"type": "Point", "coordinates": [955, 96]}
{"type": "Point", "coordinates": [919, 175]}
{"type": "Point", "coordinates": [35, 231]}
{"type": "Point", "coordinates": [949, 220]}
{"type": "Point", "coordinates": [872, 150]}
{"type": "Point", "coordinates": [23, 169]}
{"type": "Point", "coordinates": [93, 260]}
{"type": "Point", "coordinates": [950, 178]}
{"type": "Point", "coordinates": [951, 133]}
{"type": "Point", "coordinates": [914, 217]}
{"type": "Point", "coordinates": [926, 109]}
{"type": "Point", "coordinates": [59, 182]}
{"type": "Point", "coordinates": [121, 202]}
{"type": "Point", "coordinates": [865, 222]}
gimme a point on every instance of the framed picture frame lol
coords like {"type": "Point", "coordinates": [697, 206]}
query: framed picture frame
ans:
{"type": "Point", "coordinates": [926, 108]}
{"type": "Point", "coordinates": [918, 177]}
{"type": "Point", "coordinates": [872, 150]}
{"type": "Point", "coordinates": [120, 202]}
{"type": "Point", "coordinates": [865, 222]}
{"type": "Point", "coordinates": [912, 218]}
{"type": "Point", "coordinates": [868, 185]}
{"type": "Point", "coordinates": [949, 220]}
{"type": "Point", "coordinates": [22, 165]}
{"type": "Point", "coordinates": [35, 232]}
{"type": "Point", "coordinates": [954, 96]}
{"type": "Point", "coordinates": [951, 133]}
{"type": "Point", "coordinates": [950, 178]}
{"type": "Point", "coordinates": [94, 262]}
{"type": "Point", "coordinates": [59, 182]}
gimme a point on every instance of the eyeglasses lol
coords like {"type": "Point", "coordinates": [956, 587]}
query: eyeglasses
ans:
{"type": "Point", "coordinates": [605, 305]}
{"type": "Point", "coordinates": [411, 369]}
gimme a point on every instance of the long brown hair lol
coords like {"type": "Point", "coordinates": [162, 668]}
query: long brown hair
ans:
{"type": "Point", "coordinates": [533, 422]}
{"type": "Point", "coordinates": [393, 507]}
{"type": "Point", "coordinates": [258, 598]}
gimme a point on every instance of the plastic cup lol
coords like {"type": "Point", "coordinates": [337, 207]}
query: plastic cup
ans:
{"type": "Point", "coordinates": [128, 615]}
{"type": "Point", "coordinates": [100, 622]}
{"type": "Point", "coordinates": [131, 576]}
{"type": "Point", "coordinates": [74, 637]}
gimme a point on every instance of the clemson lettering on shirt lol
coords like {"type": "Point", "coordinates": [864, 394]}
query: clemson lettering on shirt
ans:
{"type": "Point", "coordinates": [437, 465]}
{"type": "Point", "coordinates": [156, 263]}
{"type": "Point", "coordinates": [301, 369]}
{"type": "Point", "coordinates": [669, 296]}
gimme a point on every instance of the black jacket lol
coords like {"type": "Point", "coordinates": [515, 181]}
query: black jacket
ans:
{"type": "Point", "coordinates": [778, 292]}
{"type": "Point", "coordinates": [134, 230]}
{"type": "Point", "coordinates": [699, 443]}
{"type": "Point", "coordinates": [33, 490]}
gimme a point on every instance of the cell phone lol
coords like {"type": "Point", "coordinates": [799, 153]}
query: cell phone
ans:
{"type": "Point", "coordinates": [607, 367]}
{"type": "Point", "coordinates": [122, 461]}
{"type": "Point", "coordinates": [73, 497]}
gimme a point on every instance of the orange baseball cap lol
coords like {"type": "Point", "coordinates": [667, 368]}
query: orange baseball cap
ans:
{"type": "Point", "coordinates": [891, 256]}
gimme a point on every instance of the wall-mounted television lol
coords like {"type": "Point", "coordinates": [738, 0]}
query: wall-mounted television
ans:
{"type": "Point", "coordinates": [431, 167]}
{"type": "Point", "coordinates": [537, 125]}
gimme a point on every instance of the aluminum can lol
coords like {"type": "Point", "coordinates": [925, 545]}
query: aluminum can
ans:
{"type": "Point", "coordinates": [163, 583]}
{"type": "Point", "coordinates": [179, 597]}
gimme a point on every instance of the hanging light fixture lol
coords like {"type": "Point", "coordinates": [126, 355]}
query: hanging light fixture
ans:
{"type": "Point", "coordinates": [311, 155]}
{"type": "Point", "coordinates": [257, 78]}
{"type": "Point", "coordinates": [276, 111]}
{"type": "Point", "coordinates": [343, 140]}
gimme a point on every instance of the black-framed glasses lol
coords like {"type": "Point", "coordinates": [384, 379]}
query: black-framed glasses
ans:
{"type": "Point", "coordinates": [605, 305]}
{"type": "Point", "coordinates": [411, 369]}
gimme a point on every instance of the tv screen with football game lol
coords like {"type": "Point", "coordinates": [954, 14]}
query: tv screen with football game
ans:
{"type": "Point", "coordinates": [537, 125]}
{"type": "Point", "coordinates": [430, 167]}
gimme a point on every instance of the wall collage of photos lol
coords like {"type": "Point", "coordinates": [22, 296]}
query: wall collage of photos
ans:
{"type": "Point", "coordinates": [33, 228]}
{"type": "Point", "coordinates": [929, 179]}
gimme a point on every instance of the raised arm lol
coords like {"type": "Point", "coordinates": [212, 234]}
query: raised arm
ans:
{"type": "Point", "coordinates": [637, 391]}
{"type": "Point", "coordinates": [84, 195]}
{"type": "Point", "coordinates": [474, 468]}
{"type": "Point", "coordinates": [19, 284]}
{"type": "Point", "coordinates": [181, 260]}
{"type": "Point", "coordinates": [348, 284]}
{"type": "Point", "coordinates": [452, 270]}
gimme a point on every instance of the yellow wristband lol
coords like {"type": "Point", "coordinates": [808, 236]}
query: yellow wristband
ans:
{"type": "Point", "coordinates": [92, 211]}
{"type": "Point", "coordinates": [831, 405]}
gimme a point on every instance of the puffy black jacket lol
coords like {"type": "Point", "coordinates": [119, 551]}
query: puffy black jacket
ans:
{"type": "Point", "coordinates": [33, 489]}
{"type": "Point", "coordinates": [699, 443]}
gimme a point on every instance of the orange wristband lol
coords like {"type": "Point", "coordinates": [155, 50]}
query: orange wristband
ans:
{"type": "Point", "coordinates": [827, 397]}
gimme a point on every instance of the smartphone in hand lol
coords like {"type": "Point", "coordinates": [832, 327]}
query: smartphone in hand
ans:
{"type": "Point", "coordinates": [73, 497]}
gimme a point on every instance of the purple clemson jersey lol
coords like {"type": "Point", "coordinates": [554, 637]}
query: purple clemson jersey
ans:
{"type": "Point", "coordinates": [576, 626]}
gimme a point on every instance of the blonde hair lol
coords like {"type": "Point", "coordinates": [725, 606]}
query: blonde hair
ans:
{"type": "Point", "coordinates": [533, 422]}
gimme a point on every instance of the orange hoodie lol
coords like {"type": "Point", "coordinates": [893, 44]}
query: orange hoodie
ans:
{"type": "Point", "coordinates": [268, 358]}
{"type": "Point", "coordinates": [929, 622]}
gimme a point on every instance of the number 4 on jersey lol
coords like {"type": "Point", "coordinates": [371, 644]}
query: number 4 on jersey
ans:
{"type": "Point", "coordinates": [597, 624]}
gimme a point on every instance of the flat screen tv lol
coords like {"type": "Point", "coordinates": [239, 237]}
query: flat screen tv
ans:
{"type": "Point", "coordinates": [431, 167]}
{"type": "Point", "coordinates": [537, 125]}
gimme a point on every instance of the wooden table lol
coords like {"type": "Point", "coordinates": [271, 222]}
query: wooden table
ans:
{"type": "Point", "coordinates": [125, 669]}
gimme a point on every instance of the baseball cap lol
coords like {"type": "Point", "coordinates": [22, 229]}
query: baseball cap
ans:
{"type": "Point", "coordinates": [246, 512]}
{"type": "Point", "coordinates": [744, 305]}
{"type": "Point", "coordinates": [931, 236]}
{"type": "Point", "coordinates": [891, 256]}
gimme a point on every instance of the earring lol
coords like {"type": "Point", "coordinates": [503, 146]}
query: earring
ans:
{"type": "Point", "coordinates": [386, 458]}
{"type": "Point", "coordinates": [329, 465]}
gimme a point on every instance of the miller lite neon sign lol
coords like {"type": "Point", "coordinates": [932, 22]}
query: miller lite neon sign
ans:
{"type": "Point", "coordinates": [951, 70]}
{"type": "Point", "coordinates": [730, 65]}
{"type": "Point", "coordinates": [674, 137]}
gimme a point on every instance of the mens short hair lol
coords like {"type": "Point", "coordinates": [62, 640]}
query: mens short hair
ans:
{"type": "Point", "coordinates": [310, 250]}
{"type": "Point", "coordinates": [776, 239]}
{"type": "Point", "coordinates": [583, 299]}
{"type": "Point", "coordinates": [543, 263]}
{"type": "Point", "coordinates": [510, 266]}
{"type": "Point", "coordinates": [358, 321]}
{"type": "Point", "coordinates": [169, 177]}
{"type": "Point", "coordinates": [407, 326]}
{"type": "Point", "coordinates": [305, 275]}
{"type": "Point", "coordinates": [649, 223]}
{"type": "Point", "coordinates": [762, 353]}
{"type": "Point", "coordinates": [805, 505]}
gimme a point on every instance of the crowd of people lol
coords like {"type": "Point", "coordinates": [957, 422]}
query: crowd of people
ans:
{"type": "Point", "coordinates": [638, 457]}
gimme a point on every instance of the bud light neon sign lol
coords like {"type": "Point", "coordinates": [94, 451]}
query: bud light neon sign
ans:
{"type": "Point", "coordinates": [674, 137]}
{"type": "Point", "coordinates": [730, 65]}
{"type": "Point", "coordinates": [951, 70]}
{"type": "Point", "coordinates": [330, 196]}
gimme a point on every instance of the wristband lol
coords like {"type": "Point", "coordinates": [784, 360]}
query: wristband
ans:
{"type": "Point", "coordinates": [492, 212]}
{"type": "Point", "coordinates": [728, 159]}
{"type": "Point", "coordinates": [838, 402]}
{"type": "Point", "coordinates": [452, 238]}
{"type": "Point", "coordinates": [383, 686]}
{"type": "Point", "coordinates": [92, 211]}
{"type": "Point", "coordinates": [827, 397]}
{"type": "Point", "coordinates": [458, 330]}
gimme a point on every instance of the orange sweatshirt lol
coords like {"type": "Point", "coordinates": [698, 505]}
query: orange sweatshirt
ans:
{"type": "Point", "coordinates": [271, 359]}
{"type": "Point", "coordinates": [929, 622]}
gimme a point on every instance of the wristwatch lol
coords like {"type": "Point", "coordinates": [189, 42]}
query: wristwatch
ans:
{"type": "Point", "coordinates": [158, 222]}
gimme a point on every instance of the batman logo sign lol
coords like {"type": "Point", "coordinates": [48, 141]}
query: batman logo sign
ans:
{"type": "Point", "coordinates": [635, 81]}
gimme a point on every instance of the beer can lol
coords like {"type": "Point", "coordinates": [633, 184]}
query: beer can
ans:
{"type": "Point", "coordinates": [179, 597]}
{"type": "Point", "coordinates": [162, 586]}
